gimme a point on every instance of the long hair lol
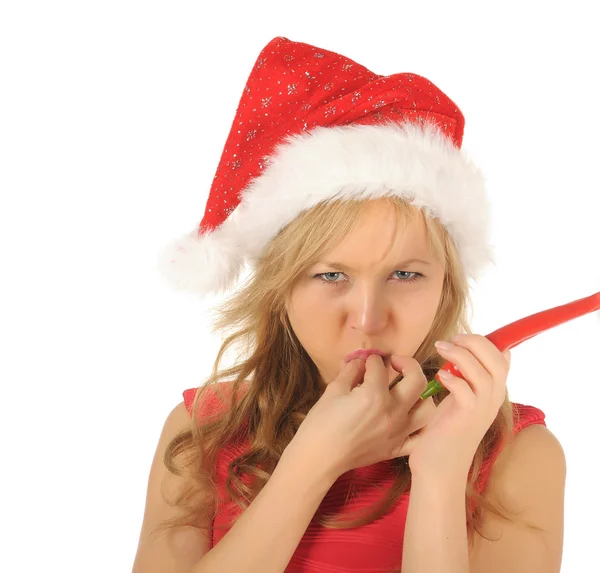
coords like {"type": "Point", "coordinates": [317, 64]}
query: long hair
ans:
{"type": "Point", "coordinates": [282, 383]}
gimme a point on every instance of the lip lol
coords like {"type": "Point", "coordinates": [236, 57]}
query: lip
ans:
{"type": "Point", "coordinates": [364, 354]}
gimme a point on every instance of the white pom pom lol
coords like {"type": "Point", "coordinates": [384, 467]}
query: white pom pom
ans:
{"type": "Point", "coordinates": [202, 264]}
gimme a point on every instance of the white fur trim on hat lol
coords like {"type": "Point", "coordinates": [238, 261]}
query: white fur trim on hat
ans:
{"type": "Point", "coordinates": [412, 161]}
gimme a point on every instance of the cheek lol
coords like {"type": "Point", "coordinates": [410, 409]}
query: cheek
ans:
{"type": "Point", "coordinates": [424, 306]}
{"type": "Point", "coordinates": [315, 322]}
{"type": "Point", "coordinates": [310, 313]}
{"type": "Point", "coordinates": [415, 314]}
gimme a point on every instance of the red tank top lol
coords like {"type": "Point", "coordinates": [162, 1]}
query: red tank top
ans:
{"type": "Point", "coordinates": [376, 547]}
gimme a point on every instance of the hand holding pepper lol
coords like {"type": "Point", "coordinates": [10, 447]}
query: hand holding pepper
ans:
{"type": "Point", "coordinates": [516, 332]}
{"type": "Point", "coordinates": [447, 443]}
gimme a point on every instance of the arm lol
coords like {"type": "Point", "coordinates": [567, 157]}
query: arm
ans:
{"type": "Point", "coordinates": [527, 479]}
{"type": "Point", "coordinates": [267, 533]}
{"type": "Point", "coordinates": [435, 537]}
{"type": "Point", "coordinates": [263, 539]}
{"type": "Point", "coordinates": [181, 549]}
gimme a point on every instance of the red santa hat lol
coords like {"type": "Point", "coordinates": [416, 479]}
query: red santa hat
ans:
{"type": "Point", "coordinates": [313, 126]}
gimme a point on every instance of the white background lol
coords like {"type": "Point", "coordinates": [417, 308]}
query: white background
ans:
{"type": "Point", "coordinates": [113, 116]}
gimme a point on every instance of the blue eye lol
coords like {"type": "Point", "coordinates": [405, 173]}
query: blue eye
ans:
{"type": "Point", "coordinates": [325, 277]}
{"type": "Point", "coordinates": [414, 278]}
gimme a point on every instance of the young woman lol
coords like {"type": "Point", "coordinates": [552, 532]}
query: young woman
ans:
{"type": "Point", "coordinates": [363, 222]}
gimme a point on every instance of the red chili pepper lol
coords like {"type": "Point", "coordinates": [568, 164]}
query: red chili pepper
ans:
{"type": "Point", "coordinates": [521, 330]}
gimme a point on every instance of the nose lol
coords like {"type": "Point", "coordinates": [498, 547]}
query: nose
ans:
{"type": "Point", "coordinates": [368, 310]}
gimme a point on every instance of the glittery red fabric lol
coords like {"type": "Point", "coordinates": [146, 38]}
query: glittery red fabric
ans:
{"type": "Point", "coordinates": [295, 87]}
{"type": "Point", "coordinates": [375, 547]}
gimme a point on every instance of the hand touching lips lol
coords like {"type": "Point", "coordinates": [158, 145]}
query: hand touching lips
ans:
{"type": "Point", "coordinates": [364, 354]}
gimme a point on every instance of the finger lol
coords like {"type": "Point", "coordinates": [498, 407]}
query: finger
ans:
{"type": "Point", "coordinates": [469, 366]}
{"type": "Point", "coordinates": [410, 388]}
{"type": "Point", "coordinates": [350, 375]}
{"type": "Point", "coordinates": [407, 446]}
{"type": "Point", "coordinates": [421, 414]}
{"type": "Point", "coordinates": [418, 418]}
{"type": "Point", "coordinates": [410, 442]}
{"type": "Point", "coordinates": [507, 356]}
{"type": "Point", "coordinates": [460, 388]}
{"type": "Point", "coordinates": [486, 353]}
{"type": "Point", "coordinates": [376, 374]}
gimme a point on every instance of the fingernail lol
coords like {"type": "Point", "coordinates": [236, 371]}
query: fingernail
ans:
{"type": "Point", "coordinates": [442, 345]}
{"type": "Point", "coordinates": [445, 375]}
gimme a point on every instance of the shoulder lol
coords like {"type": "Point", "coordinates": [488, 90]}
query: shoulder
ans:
{"type": "Point", "coordinates": [528, 482]}
{"type": "Point", "coordinates": [534, 456]}
{"type": "Point", "coordinates": [533, 445]}
{"type": "Point", "coordinates": [534, 448]}
{"type": "Point", "coordinates": [184, 547]}
{"type": "Point", "coordinates": [177, 419]}
{"type": "Point", "coordinates": [529, 476]}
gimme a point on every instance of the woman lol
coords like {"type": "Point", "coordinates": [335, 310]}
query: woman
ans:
{"type": "Point", "coordinates": [363, 221]}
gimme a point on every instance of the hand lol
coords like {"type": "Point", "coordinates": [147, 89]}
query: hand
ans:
{"type": "Point", "coordinates": [355, 425]}
{"type": "Point", "coordinates": [449, 441]}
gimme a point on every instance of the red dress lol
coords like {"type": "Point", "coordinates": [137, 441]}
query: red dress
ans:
{"type": "Point", "coordinates": [372, 548]}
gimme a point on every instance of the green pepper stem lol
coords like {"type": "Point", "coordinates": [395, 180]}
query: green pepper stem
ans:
{"type": "Point", "coordinates": [433, 387]}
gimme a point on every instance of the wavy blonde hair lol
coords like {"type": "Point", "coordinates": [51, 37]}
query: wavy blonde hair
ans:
{"type": "Point", "coordinates": [283, 383]}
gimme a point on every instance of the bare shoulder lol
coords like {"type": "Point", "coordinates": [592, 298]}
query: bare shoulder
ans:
{"type": "Point", "coordinates": [534, 453]}
{"type": "Point", "coordinates": [527, 480]}
{"type": "Point", "coordinates": [181, 549]}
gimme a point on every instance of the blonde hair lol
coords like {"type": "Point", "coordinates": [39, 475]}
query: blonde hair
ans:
{"type": "Point", "coordinates": [283, 382]}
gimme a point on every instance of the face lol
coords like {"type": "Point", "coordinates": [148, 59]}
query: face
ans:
{"type": "Point", "coordinates": [363, 294]}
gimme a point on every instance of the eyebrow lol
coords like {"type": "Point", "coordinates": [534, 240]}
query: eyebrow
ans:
{"type": "Point", "coordinates": [397, 265]}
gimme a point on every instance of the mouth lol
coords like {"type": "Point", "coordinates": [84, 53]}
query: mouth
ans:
{"type": "Point", "coordinates": [364, 354]}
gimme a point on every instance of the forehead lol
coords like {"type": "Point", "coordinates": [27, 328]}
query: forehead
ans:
{"type": "Point", "coordinates": [379, 231]}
